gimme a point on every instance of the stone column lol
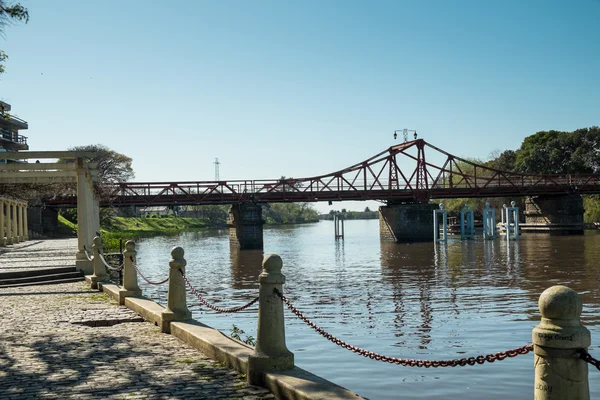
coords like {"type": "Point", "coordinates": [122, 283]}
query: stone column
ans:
{"type": "Point", "coordinates": [83, 237]}
{"type": "Point", "coordinates": [559, 372]}
{"type": "Point", "coordinates": [176, 303]}
{"type": "Point", "coordinates": [2, 229]}
{"type": "Point", "coordinates": [130, 284]}
{"type": "Point", "coordinates": [271, 353]}
{"type": "Point", "coordinates": [9, 236]}
{"type": "Point", "coordinates": [19, 221]}
{"type": "Point", "coordinates": [246, 226]}
{"type": "Point", "coordinates": [15, 231]}
{"type": "Point", "coordinates": [25, 223]}
{"type": "Point", "coordinates": [404, 223]}
{"type": "Point", "coordinates": [556, 215]}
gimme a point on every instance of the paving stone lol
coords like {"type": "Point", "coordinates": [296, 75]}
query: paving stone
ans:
{"type": "Point", "coordinates": [45, 352]}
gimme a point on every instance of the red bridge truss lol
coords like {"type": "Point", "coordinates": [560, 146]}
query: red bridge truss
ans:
{"type": "Point", "coordinates": [401, 173]}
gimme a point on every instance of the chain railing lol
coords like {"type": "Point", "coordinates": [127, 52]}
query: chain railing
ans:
{"type": "Point", "coordinates": [143, 277]}
{"type": "Point", "coordinates": [87, 255]}
{"type": "Point", "coordinates": [211, 306]}
{"type": "Point", "coordinates": [587, 357]}
{"type": "Point", "coordinates": [405, 361]}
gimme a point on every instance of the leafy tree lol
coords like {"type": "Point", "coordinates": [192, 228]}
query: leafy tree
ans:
{"type": "Point", "coordinates": [112, 167]}
{"type": "Point", "coordinates": [10, 12]}
{"type": "Point", "coordinates": [367, 209]}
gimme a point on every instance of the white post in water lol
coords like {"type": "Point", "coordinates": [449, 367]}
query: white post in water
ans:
{"type": "Point", "coordinates": [443, 214]}
{"type": "Point", "coordinates": [489, 222]}
{"type": "Point", "coordinates": [467, 223]}
{"type": "Point", "coordinates": [130, 285]}
{"type": "Point", "coordinates": [512, 221]}
{"type": "Point", "coordinates": [559, 372]}
{"type": "Point", "coordinates": [271, 353]}
{"type": "Point", "coordinates": [176, 303]}
{"type": "Point", "coordinates": [100, 274]}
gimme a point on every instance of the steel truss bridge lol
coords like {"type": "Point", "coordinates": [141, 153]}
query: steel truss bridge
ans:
{"type": "Point", "coordinates": [401, 173]}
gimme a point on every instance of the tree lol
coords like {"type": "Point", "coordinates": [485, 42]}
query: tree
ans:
{"type": "Point", "coordinates": [367, 209]}
{"type": "Point", "coordinates": [112, 167]}
{"type": "Point", "coordinates": [8, 13]}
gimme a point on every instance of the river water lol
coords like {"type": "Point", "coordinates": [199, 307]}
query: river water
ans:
{"type": "Point", "coordinates": [423, 301]}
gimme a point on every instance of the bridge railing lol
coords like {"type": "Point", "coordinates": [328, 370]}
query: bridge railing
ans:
{"type": "Point", "coordinates": [560, 342]}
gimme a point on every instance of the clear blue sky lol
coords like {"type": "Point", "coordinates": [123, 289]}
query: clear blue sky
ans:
{"type": "Point", "coordinates": [299, 88]}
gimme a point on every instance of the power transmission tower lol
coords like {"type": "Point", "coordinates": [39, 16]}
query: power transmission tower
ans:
{"type": "Point", "coordinates": [217, 163]}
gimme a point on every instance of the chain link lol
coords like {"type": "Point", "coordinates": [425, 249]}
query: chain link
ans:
{"type": "Point", "coordinates": [142, 275]}
{"type": "Point", "coordinates": [406, 361]}
{"type": "Point", "coordinates": [212, 307]}
{"type": "Point", "coordinates": [587, 357]}
{"type": "Point", "coordinates": [111, 268]}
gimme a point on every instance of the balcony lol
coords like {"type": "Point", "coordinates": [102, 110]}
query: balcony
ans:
{"type": "Point", "coordinates": [13, 137]}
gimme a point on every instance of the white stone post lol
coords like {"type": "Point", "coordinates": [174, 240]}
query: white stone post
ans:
{"type": "Point", "coordinates": [176, 302]}
{"type": "Point", "coordinates": [130, 285]}
{"type": "Point", "coordinates": [9, 237]}
{"type": "Point", "coordinates": [83, 237]}
{"type": "Point", "coordinates": [2, 229]}
{"type": "Point", "coordinates": [271, 353]}
{"type": "Point", "coordinates": [489, 222]}
{"type": "Point", "coordinates": [100, 274]}
{"type": "Point", "coordinates": [15, 232]}
{"type": "Point", "coordinates": [25, 222]}
{"type": "Point", "coordinates": [559, 372]}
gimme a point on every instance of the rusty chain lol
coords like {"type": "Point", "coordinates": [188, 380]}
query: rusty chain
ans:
{"type": "Point", "coordinates": [587, 357]}
{"type": "Point", "coordinates": [406, 361]}
{"type": "Point", "coordinates": [142, 275]}
{"type": "Point", "coordinates": [213, 307]}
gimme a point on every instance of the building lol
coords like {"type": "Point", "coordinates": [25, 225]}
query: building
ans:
{"type": "Point", "coordinates": [10, 125]}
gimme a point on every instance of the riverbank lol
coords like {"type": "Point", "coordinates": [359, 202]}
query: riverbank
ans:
{"type": "Point", "coordinates": [50, 348]}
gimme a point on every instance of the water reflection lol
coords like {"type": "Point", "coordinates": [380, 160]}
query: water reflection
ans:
{"type": "Point", "coordinates": [420, 300]}
{"type": "Point", "coordinates": [246, 265]}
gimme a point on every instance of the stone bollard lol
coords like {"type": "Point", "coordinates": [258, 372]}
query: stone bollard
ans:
{"type": "Point", "coordinates": [99, 269]}
{"type": "Point", "coordinates": [176, 303]}
{"type": "Point", "coordinates": [559, 372]}
{"type": "Point", "coordinates": [271, 353]}
{"type": "Point", "coordinates": [130, 285]}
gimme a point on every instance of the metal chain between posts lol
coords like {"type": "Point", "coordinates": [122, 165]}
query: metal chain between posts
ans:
{"type": "Point", "coordinates": [587, 357]}
{"type": "Point", "coordinates": [87, 255]}
{"type": "Point", "coordinates": [111, 268]}
{"type": "Point", "coordinates": [213, 307]}
{"type": "Point", "coordinates": [406, 361]}
{"type": "Point", "coordinates": [142, 275]}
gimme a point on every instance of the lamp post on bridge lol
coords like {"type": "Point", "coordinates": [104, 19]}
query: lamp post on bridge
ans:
{"type": "Point", "coordinates": [405, 134]}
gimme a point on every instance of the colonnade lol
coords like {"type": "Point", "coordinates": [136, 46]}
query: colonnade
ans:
{"type": "Point", "coordinates": [13, 221]}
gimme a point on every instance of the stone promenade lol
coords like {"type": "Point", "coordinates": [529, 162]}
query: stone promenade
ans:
{"type": "Point", "coordinates": [68, 342]}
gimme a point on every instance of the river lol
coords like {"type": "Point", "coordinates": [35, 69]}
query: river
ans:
{"type": "Point", "coordinates": [423, 301]}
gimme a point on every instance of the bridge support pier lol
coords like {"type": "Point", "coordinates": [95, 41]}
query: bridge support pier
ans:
{"type": "Point", "coordinates": [556, 215]}
{"type": "Point", "coordinates": [246, 226]}
{"type": "Point", "coordinates": [404, 223]}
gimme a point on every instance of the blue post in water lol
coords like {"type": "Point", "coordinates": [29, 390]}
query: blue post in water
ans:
{"type": "Point", "coordinates": [512, 221]}
{"type": "Point", "coordinates": [467, 223]}
{"type": "Point", "coordinates": [443, 214]}
{"type": "Point", "coordinates": [489, 222]}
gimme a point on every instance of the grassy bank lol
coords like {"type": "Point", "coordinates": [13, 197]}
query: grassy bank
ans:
{"type": "Point", "coordinates": [115, 228]}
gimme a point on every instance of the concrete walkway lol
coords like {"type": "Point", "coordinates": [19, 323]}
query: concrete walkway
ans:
{"type": "Point", "coordinates": [68, 342]}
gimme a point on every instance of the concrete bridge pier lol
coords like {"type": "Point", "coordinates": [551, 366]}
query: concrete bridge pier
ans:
{"type": "Point", "coordinates": [246, 226]}
{"type": "Point", "coordinates": [556, 215]}
{"type": "Point", "coordinates": [403, 223]}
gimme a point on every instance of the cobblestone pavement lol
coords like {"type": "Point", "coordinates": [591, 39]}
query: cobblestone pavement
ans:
{"type": "Point", "coordinates": [68, 342]}
{"type": "Point", "coordinates": [38, 254]}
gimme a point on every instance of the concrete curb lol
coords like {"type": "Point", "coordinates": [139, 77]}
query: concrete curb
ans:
{"type": "Point", "coordinates": [296, 384]}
